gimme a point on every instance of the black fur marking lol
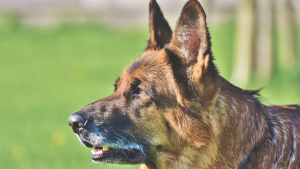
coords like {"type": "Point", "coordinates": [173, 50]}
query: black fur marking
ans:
{"type": "Point", "coordinates": [103, 108]}
{"type": "Point", "coordinates": [159, 147]}
{"type": "Point", "coordinates": [292, 155]}
{"type": "Point", "coordinates": [119, 119]}
{"type": "Point", "coordinates": [245, 164]}
{"type": "Point", "coordinates": [180, 74]}
{"type": "Point", "coordinates": [116, 110]}
{"type": "Point", "coordinates": [135, 83]}
{"type": "Point", "coordinates": [164, 101]}
{"type": "Point", "coordinates": [253, 92]}
{"type": "Point", "coordinates": [146, 104]}
{"type": "Point", "coordinates": [137, 113]}
{"type": "Point", "coordinates": [168, 126]}
{"type": "Point", "coordinates": [115, 84]}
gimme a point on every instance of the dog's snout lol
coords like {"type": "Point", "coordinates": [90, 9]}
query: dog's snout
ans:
{"type": "Point", "coordinates": [77, 123]}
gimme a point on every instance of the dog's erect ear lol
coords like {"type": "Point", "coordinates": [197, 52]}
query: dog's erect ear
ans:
{"type": "Point", "coordinates": [191, 40]}
{"type": "Point", "coordinates": [160, 31]}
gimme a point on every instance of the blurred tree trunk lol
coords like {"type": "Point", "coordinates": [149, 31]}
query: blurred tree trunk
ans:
{"type": "Point", "coordinates": [263, 40]}
{"type": "Point", "coordinates": [243, 43]}
{"type": "Point", "coordinates": [285, 34]}
{"type": "Point", "coordinates": [296, 5]}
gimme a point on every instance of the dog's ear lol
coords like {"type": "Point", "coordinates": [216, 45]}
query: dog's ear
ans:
{"type": "Point", "coordinates": [160, 31]}
{"type": "Point", "coordinates": [191, 40]}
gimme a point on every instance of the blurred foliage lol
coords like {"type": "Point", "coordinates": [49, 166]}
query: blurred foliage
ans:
{"type": "Point", "coordinates": [10, 20]}
{"type": "Point", "coordinates": [46, 74]}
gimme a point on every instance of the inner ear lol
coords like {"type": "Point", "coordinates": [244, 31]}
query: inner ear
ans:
{"type": "Point", "coordinates": [191, 38]}
{"type": "Point", "coordinates": [191, 44]}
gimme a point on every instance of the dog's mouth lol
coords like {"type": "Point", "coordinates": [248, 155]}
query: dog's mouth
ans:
{"type": "Point", "coordinates": [114, 155]}
{"type": "Point", "coordinates": [107, 154]}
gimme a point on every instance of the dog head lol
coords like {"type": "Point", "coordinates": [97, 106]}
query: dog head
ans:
{"type": "Point", "coordinates": [161, 103]}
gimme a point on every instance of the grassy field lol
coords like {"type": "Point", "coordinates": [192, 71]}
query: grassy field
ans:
{"type": "Point", "coordinates": [46, 74]}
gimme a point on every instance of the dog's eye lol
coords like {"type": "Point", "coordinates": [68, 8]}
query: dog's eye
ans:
{"type": "Point", "coordinates": [139, 91]}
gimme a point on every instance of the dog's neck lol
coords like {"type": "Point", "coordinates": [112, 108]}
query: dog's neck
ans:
{"type": "Point", "coordinates": [247, 124]}
{"type": "Point", "coordinates": [239, 122]}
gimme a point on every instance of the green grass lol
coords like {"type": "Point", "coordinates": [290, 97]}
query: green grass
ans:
{"type": "Point", "coordinates": [46, 74]}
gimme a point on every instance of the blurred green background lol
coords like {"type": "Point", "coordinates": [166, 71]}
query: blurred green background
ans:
{"type": "Point", "coordinates": [49, 72]}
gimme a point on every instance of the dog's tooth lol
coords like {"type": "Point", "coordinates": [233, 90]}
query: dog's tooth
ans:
{"type": "Point", "coordinates": [105, 148]}
{"type": "Point", "coordinates": [101, 152]}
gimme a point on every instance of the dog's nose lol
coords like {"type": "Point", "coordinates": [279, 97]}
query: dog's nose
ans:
{"type": "Point", "coordinates": [77, 123]}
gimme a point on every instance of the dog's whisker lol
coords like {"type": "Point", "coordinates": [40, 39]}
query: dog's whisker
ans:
{"type": "Point", "coordinates": [85, 122]}
{"type": "Point", "coordinates": [128, 133]}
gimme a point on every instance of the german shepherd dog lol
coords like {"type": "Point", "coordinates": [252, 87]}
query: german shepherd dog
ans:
{"type": "Point", "coordinates": [172, 110]}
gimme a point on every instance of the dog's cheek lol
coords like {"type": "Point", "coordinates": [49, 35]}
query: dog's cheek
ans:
{"type": "Point", "coordinates": [193, 131]}
{"type": "Point", "coordinates": [152, 126]}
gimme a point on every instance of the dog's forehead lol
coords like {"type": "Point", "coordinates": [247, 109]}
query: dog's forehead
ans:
{"type": "Point", "coordinates": [148, 60]}
{"type": "Point", "coordinates": [148, 63]}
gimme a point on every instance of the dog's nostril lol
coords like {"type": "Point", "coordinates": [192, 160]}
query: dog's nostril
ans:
{"type": "Point", "coordinates": [77, 123]}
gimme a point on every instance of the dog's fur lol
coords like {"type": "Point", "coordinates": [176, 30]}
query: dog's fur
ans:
{"type": "Point", "coordinates": [173, 106]}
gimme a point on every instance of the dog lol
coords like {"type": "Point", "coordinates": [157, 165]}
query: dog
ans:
{"type": "Point", "coordinates": [172, 110]}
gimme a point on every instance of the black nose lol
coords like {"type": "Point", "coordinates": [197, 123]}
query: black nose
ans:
{"type": "Point", "coordinates": [77, 123]}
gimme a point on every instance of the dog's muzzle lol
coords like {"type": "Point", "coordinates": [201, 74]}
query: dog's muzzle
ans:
{"type": "Point", "coordinates": [105, 150]}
